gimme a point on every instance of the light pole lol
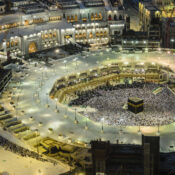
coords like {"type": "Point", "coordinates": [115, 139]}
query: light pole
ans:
{"type": "Point", "coordinates": [65, 64]}
{"type": "Point", "coordinates": [139, 131]}
{"type": "Point", "coordinates": [56, 107]}
{"type": "Point", "coordinates": [47, 105]}
{"type": "Point", "coordinates": [75, 59]}
{"type": "Point", "coordinates": [158, 132]}
{"type": "Point", "coordinates": [102, 129]}
{"type": "Point", "coordinates": [75, 119]}
{"type": "Point", "coordinates": [86, 126]}
{"type": "Point", "coordinates": [172, 41]}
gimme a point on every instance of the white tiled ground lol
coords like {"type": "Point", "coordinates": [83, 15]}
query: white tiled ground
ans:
{"type": "Point", "coordinates": [60, 125]}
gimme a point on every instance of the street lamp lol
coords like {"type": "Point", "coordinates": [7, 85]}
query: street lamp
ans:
{"type": "Point", "coordinates": [158, 132]}
{"type": "Point", "coordinates": [75, 119]}
{"type": "Point", "coordinates": [47, 105]}
{"type": "Point", "coordinates": [86, 126]}
{"type": "Point", "coordinates": [56, 107]}
{"type": "Point", "coordinates": [102, 130]}
{"type": "Point", "coordinates": [172, 41]}
{"type": "Point", "coordinates": [75, 59]}
{"type": "Point", "coordinates": [65, 64]}
{"type": "Point", "coordinates": [139, 131]}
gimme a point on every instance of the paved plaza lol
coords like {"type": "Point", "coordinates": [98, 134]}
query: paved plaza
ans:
{"type": "Point", "coordinates": [30, 93]}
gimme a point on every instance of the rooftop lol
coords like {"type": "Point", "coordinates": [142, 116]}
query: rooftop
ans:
{"type": "Point", "coordinates": [34, 29]}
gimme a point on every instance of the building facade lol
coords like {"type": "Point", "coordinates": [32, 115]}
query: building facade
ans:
{"type": "Point", "coordinates": [117, 159]}
{"type": "Point", "coordinates": [2, 7]}
{"type": "Point", "coordinates": [5, 76]}
{"type": "Point", "coordinates": [91, 22]}
{"type": "Point", "coordinates": [168, 28]}
{"type": "Point", "coordinates": [162, 12]}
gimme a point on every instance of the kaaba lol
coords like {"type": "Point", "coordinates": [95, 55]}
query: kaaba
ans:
{"type": "Point", "coordinates": [135, 104]}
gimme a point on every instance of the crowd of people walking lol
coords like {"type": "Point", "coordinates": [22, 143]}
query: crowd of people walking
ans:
{"type": "Point", "coordinates": [110, 103]}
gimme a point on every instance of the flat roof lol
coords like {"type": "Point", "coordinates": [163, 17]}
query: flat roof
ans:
{"type": "Point", "coordinates": [135, 99]}
{"type": "Point", "coordinates": [32, 29]}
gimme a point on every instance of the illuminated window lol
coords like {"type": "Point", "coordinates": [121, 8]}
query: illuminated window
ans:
{"type": "Point", "coordinates": [26, 22]}
{"type": "Point", "coordinates": [92, 17]}
{"type": "Point", "coordinates": [76, 18]}
{"type": "Point", "coordinates": [72, 19]}
{"type": "Point", "coordinates": [105, 33]}
{"type": "Point", "coordinates": [100, 16]}
{"type": "Point", "coordinates": [76, 36]}
{"type": "Point", "coordinates": [16, 43]}
{"type": "Point", "coordinates": [54, 34]}
{"type": "Point", "coordinates": [12, 43]}
{"type": "Point", "coordinates": [91, 35]}
{"type": "Point", "coordinates": [50, 35]}
{"type": "Point", "coordinates": [84, 19]}
{"type": "Point", "coordinates": [46, 36]}
{"type": "Point", "coordinates": [8, 44]}
{"type": "Point", "coordinates": [96, 16]}
{"type": "Point", "coordinates": [84, 35]}
{"type": "Point", "coordinates": [80, 35]}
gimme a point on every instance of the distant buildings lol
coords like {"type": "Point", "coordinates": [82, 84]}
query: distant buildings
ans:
{"type": "Point", "coordinates": [158, 14]}
{"type": "Point", "coordinates": [123, 159]}
{"type": "Point", "coordinates": [48, 24]}
{"type": "Point", "coordinates": [5, 76]}
{"type": "Point", "coordinates": [2, 7]}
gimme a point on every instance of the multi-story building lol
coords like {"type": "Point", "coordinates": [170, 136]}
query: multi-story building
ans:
{"type": "Point", "coordinates": [135, 40]}
{"type": "Point", "coordinates": [92, 22]}
{"type": "Point", "coordinates": [2, 7]}
{"type": "Point", "coordinates": [116, 159]}
{"type": "Point", "coordinates": [5, 76]}
{"type": "Point", "coordinates": [168, 29]}
{"type": "Point", "coordinates": [154, 12]}
{"type": "Point", "coordinates": [162, 2]}
{"type": "Point", "coordinates": [15, 4]}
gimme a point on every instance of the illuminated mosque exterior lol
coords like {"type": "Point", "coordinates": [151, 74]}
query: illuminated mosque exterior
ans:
{"type": "Point", "coordinates": [33, 28]}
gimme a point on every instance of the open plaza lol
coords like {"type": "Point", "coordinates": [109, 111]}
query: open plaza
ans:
{"type": "Point", "coordinates": [87, 87]}
{"type": "Point", "coordinates": [27, 98]}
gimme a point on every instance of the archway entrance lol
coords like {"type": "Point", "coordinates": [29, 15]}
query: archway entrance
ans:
{"type": "Point", "coordinates": [32, 47]}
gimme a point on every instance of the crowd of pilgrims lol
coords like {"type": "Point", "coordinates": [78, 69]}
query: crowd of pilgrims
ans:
{"type": "Point", "coordinates": [7, 145]}
{"type": "Point", "coordinates": [110, 104]}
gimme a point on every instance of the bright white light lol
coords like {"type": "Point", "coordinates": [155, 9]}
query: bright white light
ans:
{"type": "Point", "coordinates": [57, 50]}
{"type": "Point", "coordinates": [102, 119]}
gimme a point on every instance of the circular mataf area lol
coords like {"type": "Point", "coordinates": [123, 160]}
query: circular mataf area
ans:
{"type": "Point", "coordinates": [110, 104]}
